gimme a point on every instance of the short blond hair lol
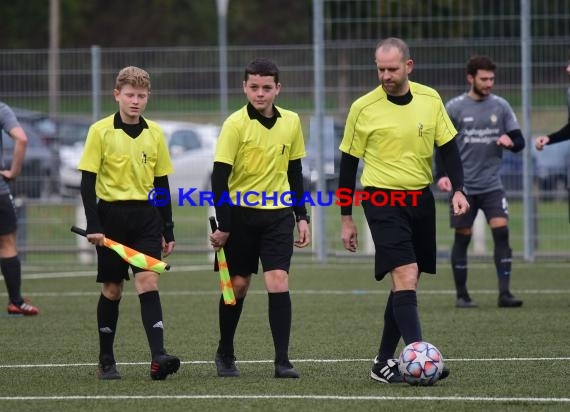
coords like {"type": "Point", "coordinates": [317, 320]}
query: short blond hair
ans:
{"type": "Point", "coordinates": [133, 76]}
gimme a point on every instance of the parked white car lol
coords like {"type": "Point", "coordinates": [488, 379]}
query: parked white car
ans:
{"type": "Point", "coordinates": [191, 147]}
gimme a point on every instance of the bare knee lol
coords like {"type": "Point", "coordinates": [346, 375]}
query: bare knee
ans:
{"type": "Point", "coordinates": [241, 285]}
{"type": "Point", "coordinates": [405, 277]}
{"type": "Point", "coordinates": [466, 231]}
{"type": "Point", "coordinates": [8, 245]}
{"type": "Point", "coordinates": [112, 290]}
{"type": "Point", "coordinates": [276, 281]}
{"type": "Point", "coordinates": [146, 282]}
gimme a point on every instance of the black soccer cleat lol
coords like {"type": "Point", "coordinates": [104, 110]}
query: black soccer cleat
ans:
{"type": "Point", "coordinates": [465, 303]}
{"type": "Point", "coordinates": [285, 370]}
{"type": "Point", "coordinates": [386, 372]}
{"type": "Point", "coordinates": [162, 366]}
{"type": "Point", "coordinates": [226, 365]}
{"type": "Point", "coordinates": [107, 369]}
{"type": "Point", "coordinates": [444, 373]}
{"type": "Point", "coordinates": [507, 300]}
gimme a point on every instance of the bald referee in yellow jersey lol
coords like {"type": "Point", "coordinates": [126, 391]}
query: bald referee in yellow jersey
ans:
{"type": "Point", "coordinates": [259, 153]}
{"type": "Point", "coordinates": [125, 157]}
{"type": "Point", "coordinates": [394, 129]}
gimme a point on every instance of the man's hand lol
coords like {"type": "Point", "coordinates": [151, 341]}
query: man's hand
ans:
{"type": "Point", "coordinates": [304, 234]}
{"type": "Point", "coordinates": [218, 239]}
{"type": "Point", "coordinates": [459, 203]}
{"type": "Point", "coordinates": [505, 141]}
{"type": "Point", "coordinates": [444, 184]}
{"type": "Point", "coordinates": [97, 239]}
{"type": "Point", "coordinates": [349, 233]}
{"type": "Point", "coordinates": [541, 141]}
{"type": "Point", "coordinates": [7, 174]}
{"type": "Point", "coordinates": [167, 247]}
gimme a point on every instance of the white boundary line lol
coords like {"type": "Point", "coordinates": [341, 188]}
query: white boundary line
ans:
{"type": "Point", "coordinates": [202, 362]}
{"type": "Point", "coordinates": [288, 397]}
{"type": "Point", "coordinates": [183, 269]}
{"type": "Point", "coordinates": [306, 292]}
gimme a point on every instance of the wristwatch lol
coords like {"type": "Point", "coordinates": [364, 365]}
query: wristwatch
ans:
{"type": "Point", "coordinates": [306, 218]}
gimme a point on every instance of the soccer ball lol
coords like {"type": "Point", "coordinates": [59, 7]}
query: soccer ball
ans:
{"type": "Point", "coordinates": [420, 363]}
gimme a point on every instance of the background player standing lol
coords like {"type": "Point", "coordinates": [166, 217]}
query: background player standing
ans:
{"type": "Point", "coordinates": [259, 150]}
{"type": "Point", "coordinates": [487, 124]}
{"type": "Point", "coordinates": [9, 260]}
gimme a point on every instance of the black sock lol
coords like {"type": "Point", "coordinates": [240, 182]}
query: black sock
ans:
{"type": "Point", "coordinates": [503, 257]}
{"type": "Point", "coordinates": [280, 324]}
{"type": "Point", "coordinates": [405, 306]}
{"type": "Point", "coordinates": [459, 263]}
{"type": "Point", "coordinates": [390, 334]}
{"type": "Point", "coordinates": [107, 317]}
{"type": "Point", "coordinates": [12, 272]}
{"type": "Point", "coordinates": [228, 317]}
{"type": "Point", "coordinates": [151, 314]}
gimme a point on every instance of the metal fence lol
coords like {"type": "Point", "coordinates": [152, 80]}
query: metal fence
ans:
{"type": "Point", "coordinates": [186, 86]}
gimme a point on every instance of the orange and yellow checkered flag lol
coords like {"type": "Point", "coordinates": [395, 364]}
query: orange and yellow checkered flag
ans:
{"type": "Point", "coordinates": [130, 255]}
{"type": "Point", "coordinates": [225, 280]}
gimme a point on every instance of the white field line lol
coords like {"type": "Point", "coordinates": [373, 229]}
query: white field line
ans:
{"type": "Point", "coordinates": [184, 269]}
{"type": "Point", "coordinates": [198, 268]}
{"type": "Point", "coordinates": [305, 292]}
{"type": "Point", "coordinates": [495, 400]}
{"type": "Point", "coordinates": [356, 360]}
{"type": "Point", "coordinates": [289, 397]}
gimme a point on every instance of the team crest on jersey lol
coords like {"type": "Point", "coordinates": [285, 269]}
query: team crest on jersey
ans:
{"type": "Point", "coordinates": [494, 118]}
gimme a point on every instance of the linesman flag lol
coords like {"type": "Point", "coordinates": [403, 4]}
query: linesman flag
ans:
{"type": "Point", "coordinates": [225, 280]}
{"type": "Point", "coordinates": [129, 255]}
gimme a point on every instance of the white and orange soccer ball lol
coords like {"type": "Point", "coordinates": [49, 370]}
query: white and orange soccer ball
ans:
{"type": "Point", "coordinates": [420, 363]}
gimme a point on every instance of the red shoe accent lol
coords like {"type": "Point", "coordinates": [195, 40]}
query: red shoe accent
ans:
{"type": "Point", "coordinates": [24, 309]}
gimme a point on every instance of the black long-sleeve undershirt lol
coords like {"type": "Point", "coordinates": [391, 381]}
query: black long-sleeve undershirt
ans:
{"type": "Point", "coordinates": [220, 176]}
{"type": "Point", "coordinates": [347, 178]}
{"type": "Point", "coordinates": [89, 198]}
{"type": "Point", "coordinates": [161, 182]}
{"type": "Point", "coordinates": [560, 135]}
{"type": "Point", "coordinates": [451, 162]}
{"type": "Point", "coordinates": [295, 178]}
{"type": "Point", "coordinates": [518, 140]}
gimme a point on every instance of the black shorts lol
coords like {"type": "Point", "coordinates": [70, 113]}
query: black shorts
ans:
{"type": "Point", "coordinates": [8, 218]}
{"type": "Point", "coordinates": [403, 234]}
{"type": "Point", "coordinates": [257, 234]}
{"type": "Point", "coordinates": [493, 204]}
{"type": "Point", "coordinates": [136, 224]}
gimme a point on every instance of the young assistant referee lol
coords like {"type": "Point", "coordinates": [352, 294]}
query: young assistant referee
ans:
{"type": "Point", "coordinates": [125, 157]}
{"type": "Point", "coordinates": [259, 150]}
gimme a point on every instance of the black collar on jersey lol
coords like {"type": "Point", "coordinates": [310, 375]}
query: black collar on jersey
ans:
{"type": "Point", "coordinates": [401, 100]}
{"type": "Point", "coordinates": [268, 122]}
{"type": "Point", "coordinates": [133, 130]}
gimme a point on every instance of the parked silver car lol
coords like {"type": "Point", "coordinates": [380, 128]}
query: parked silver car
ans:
{"type": "Point", "coordinates": [39, 167]}
{"type": "Point", "coordinates": [192, 148]}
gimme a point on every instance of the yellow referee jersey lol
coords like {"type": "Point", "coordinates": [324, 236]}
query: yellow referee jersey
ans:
{"type": "Point", "coordinates": [397, 142]}
{"type": "Point", "coordinates": [125, 167]}
{"type": "Point", "coordinates": [259, 156]}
